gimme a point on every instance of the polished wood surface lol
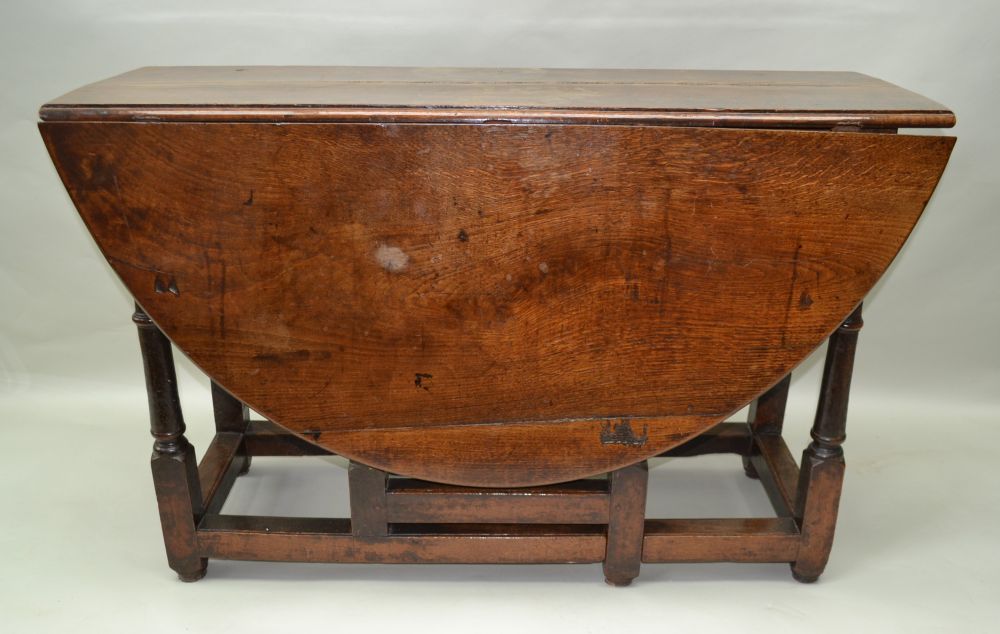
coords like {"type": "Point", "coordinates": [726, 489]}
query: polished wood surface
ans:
{"type": "Point", "coordinates": [495, 305]}
{"type": "Point", "coordinates": [715, 98]}
{"type": "Point", "coordinates": [519, 295]}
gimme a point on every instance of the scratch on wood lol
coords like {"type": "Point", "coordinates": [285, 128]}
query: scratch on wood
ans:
{"type": "Point", "coordinates": [668, 255]}
{"type": "Point", "coordinates": [222, 303]}
{"type": "Point", "coordinates": [791, 294]}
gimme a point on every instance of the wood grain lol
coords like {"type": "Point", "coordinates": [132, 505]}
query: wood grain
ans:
{"type": "Point", "coordinates": [495, 305]}
{"type": "Point", "coordinates": [330, 540]}
{"type": "Point", "coordinates": [728, 539]}
{"type": "Point", "coordinates": [579, 502]}
{"type": "Point", "coordinates": [715, 98]}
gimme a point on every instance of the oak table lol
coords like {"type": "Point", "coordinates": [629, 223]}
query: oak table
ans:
{"type": "Point", "coordinates": [497, 292]}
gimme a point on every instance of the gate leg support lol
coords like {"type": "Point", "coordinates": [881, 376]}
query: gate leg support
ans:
{"type": "Point", "coordinates": [767, 416]}
{"type": "Point", "coordinates": [369, 500]}
{"type": "Point", "coordinates": [175, 470]}
{"type": "Point", "coordinates": [822, 472]}
{"type": "Point", "coordinates": [231, 415]}
{"type": "Point", "coordinates": [626, 524]}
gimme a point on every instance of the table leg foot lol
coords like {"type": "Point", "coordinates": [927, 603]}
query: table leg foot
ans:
{"type": "Point", "coordinates": [803, 578]}
{"type": "Point", "coordinates": [190, 576]}
{"type": "Point", "coordinates": [626, 524]}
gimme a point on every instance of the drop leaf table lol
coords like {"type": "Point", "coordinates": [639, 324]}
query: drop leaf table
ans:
{"type": "Point", "coordinates": [497, 292]}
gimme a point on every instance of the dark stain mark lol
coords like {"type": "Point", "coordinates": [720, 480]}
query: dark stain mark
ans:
{"type": "Point", "coordinates": [804, 300]}
{"type": "Point", "coordinates": [484, 307]}
{"type": "Point", "coordinates": [249, 201]}
{"type": "Point", "coordinates": [277, 357]}
{"type": "Point", "coordinates": [622, 434]}
{"type": "Point", "coordinates": [548, 135]}
{"type": "Point", "coordinates": [311, 434]}
{"type": "Point", "coordinates": [138, 215]}
{"type": "Point", "coordinates": [168, 286]}
{"type": "Point", "coordinates": [418, 380]}
{"type": "Point", "coordinates": [98, 175]}
{"type": "Point", "coordinates": [463, 236]}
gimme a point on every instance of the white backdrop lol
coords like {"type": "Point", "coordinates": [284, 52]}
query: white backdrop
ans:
{"type": "Point", "coordinates": [67, 347]}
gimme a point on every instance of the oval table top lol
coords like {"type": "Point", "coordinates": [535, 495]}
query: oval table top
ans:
{"type": "Point", "coordinates": [495, 304]}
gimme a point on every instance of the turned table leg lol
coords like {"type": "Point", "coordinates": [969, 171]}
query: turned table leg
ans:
{"type": "Point", "coordinates": [767, 415]}
{"type": "Point", "coordinates": [626, 524]}
{"type": "Point", "coordinates": [231, 416]}
{"type": "Point", "coordinates": [822, 470]}
{"type": "Point", "coordinates": [175, 470]}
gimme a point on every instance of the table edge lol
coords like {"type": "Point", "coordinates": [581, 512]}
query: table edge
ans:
{"type": "Point", "coordinates": [808, 119]}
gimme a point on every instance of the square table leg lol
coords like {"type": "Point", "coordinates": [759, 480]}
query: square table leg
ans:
{"type": "Point", "coordinates": [626, 524]}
